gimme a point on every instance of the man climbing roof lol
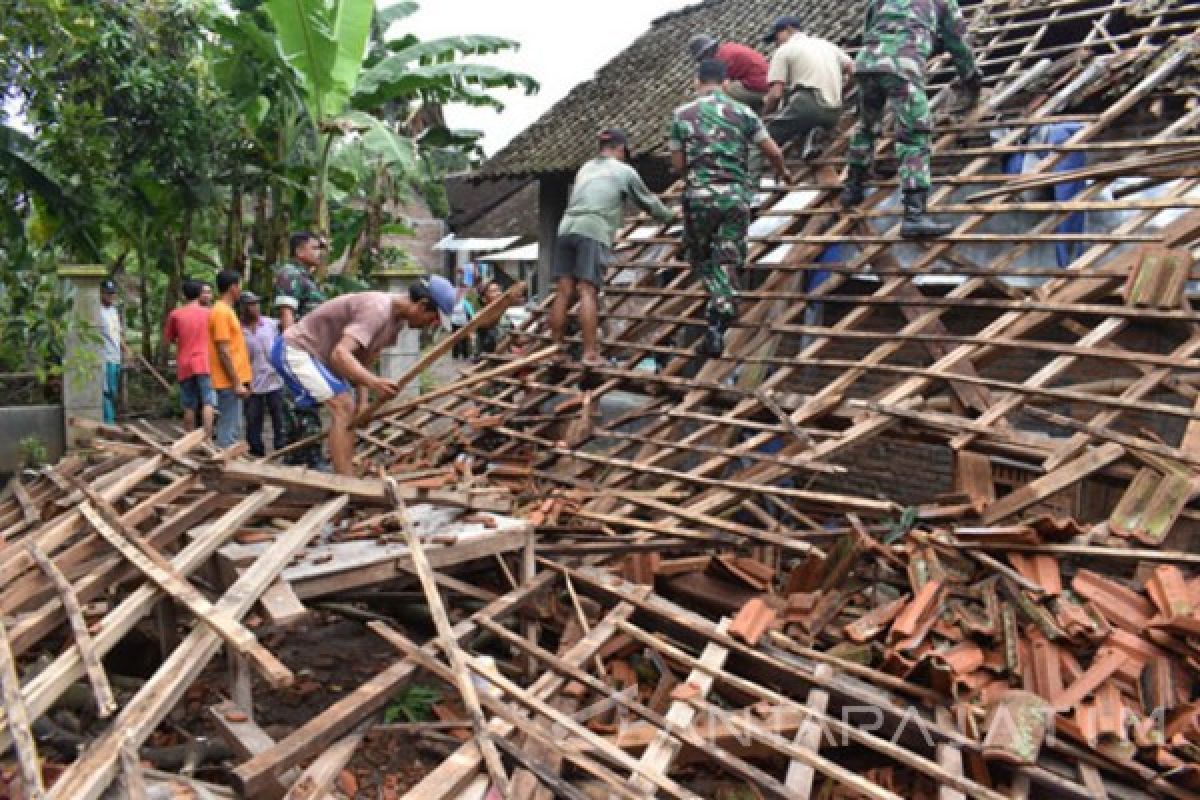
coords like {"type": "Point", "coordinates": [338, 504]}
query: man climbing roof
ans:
{"type": "Point", "coordinates": [711, 138]}
{"type": "Point", "coordinates": [746, 67]}
{"type": "Point", "coordinates": [806, 77]}
{"type": "Point", "coordinates": [585, 236]}
{"type": "Point", "coordinates": [898, 38]}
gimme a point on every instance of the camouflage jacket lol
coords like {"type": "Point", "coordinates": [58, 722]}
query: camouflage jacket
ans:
{"type": "Point", "coordinates": [900, 35]}
{"type": "Point", "coordinates": [295, 289]}
{"type": "Point", "coordinates": [715, 134]}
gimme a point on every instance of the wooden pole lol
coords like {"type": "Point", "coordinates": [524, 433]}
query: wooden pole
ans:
{"type": "Point", "coordinates": [449, 644]}
{"type": "Point", "coordinates": [18, 722]}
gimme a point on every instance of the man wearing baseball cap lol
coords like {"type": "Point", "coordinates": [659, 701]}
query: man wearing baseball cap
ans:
{"type": "Point", "coordinates": [585, 236]}
{"type": "Point", "coordinates": [113, 341]}
{"type": "Point", "coordinates": [806, 77]}
{"type": "Point", "coordinates": [745, 67]}
{"type": "Point", "coordinates": [329, 351]}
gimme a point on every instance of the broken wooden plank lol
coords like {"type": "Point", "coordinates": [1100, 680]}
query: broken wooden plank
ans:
{"type": "Point", "coordinates": [321, 774]}
{"type": "Point", "coordinates": [19, 722]}
{"type": "Point", "coordinates": [102, 692]}
{"type": "Point", "coordinates": [96, 767]}
{"type": "Point", "coordinates": [800, 776]}
{"type": "Point", "coordinates": [448, 644]}
{"type": "Point", "coordinates": [131, 771]}
{"type": "Point", "coordinates": [1048, 484]}
{"type": "Point", "coordinates": [658, 756]}
{"type": "Point", "coordinates": [281, 605]}
{"type": "Point", "coordinates": [160, 571]}
{"type": "Point", "coordinates": [247, 740]}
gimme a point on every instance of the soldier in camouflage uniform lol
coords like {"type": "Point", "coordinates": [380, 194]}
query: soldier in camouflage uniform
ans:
{"type": "Point", "coordinates": [898, 38]}
{"type": "Point", "coordinates": [296, 294]}
{"type": "Point", "coordinates": [710, 145]}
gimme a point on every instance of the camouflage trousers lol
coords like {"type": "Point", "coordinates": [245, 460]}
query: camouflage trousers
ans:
{"type": "Point", "coordinates": [910, 107]}
{"type": "Point", "coordinates": [714, 240]}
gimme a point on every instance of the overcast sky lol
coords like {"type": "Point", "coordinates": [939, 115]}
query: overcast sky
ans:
{"type": "Point", "coordinates": [563, 42]}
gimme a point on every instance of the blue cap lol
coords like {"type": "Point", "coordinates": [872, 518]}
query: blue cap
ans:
{"type": "Point", "coordinates": [782, 24]}
{"type": "Point", "coordinates": [444, 297]}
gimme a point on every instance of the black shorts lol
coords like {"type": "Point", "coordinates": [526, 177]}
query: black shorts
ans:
{"type": "Point", "coordinates": [582, 258]}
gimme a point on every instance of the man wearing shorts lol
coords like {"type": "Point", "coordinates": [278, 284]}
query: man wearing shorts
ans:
{"type": "Point", "coordinates": [585, 237]}
{"type": "Point", "coordinates": [329, 351]}
{"type": "Point", "coordinates": [187, 329]}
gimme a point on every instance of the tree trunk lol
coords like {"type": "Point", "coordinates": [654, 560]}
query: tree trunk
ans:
{"type": "Point", "coordinates": [322, 200]}
{"type": "Point", "coordinates": [234, 251]}
{"type": "Point", "coordinates": [144, 296]}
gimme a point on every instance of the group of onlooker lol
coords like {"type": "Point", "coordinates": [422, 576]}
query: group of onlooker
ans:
{"type": "Point", "coordinates": [233, 362]}
{"type": "Point", "coordinates": [213, 362]}
{"type": "Point", "coordinates": [466, 305]}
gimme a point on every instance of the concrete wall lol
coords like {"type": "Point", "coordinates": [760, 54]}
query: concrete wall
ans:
{"type": "Point", "coordinates": [17, 422]}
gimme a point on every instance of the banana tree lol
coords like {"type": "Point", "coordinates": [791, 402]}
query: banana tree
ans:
{"type": "Point", "coordinates": [326, 44]}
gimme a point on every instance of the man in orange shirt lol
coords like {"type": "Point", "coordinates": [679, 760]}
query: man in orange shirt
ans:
{"type": "Point", "coordinates": [228, 358]}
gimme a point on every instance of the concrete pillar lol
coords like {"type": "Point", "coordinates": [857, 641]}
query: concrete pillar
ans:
{"type": "Point", "coordinates": [553, 193]}
{"type": "Point", "coordinates": [396, 360]}
{"type": "Point", "coordinates": [83, 357]}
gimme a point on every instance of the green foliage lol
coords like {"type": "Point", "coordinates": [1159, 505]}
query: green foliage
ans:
{"type": "Point", "coordinates": [172, 138]}
{"type": "Point", "coordinates": [413, 704]}
{"type": "Point", "coordinates": [899, 528]}
{"type": "Point", "coordinates": [325, 42]}
{"type": "Point", "coordinates": [33, 451]}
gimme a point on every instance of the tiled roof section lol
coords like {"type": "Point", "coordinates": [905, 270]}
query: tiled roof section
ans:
{"type": "Point", "coordinates": [642, 85]}
{"type": "Point", "coordinates": [470, 198]}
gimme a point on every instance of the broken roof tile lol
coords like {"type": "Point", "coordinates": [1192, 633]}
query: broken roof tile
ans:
{"type": "Point", "coordinates": [1120, 605]}
{"type": "Point", "coordinates": [755, 619]}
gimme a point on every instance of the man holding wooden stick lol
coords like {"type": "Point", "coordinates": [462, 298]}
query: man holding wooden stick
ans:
{"type": "Point", "coordinates": [330, 349]}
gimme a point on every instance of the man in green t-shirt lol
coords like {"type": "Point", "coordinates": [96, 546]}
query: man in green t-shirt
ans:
{"type": "Point", "coordinates": [585, 236]}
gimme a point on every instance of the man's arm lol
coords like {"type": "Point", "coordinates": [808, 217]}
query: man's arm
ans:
{"type": "Point", "coordinates": [344, 363]}
{"type": "Point", "coordinates": [675, 144]}
{"type": "Point", "coordinates": [777, 79]}
{"type": "Point", "coordinates": [678, 161]}
{"type": "Point", "coordinates": [226, 359]}
{"type": "Point", "coordinates": [775, 157]}
{"type": "Point", "coordinates": [773, 98]}
{"type": "Point", "coordinates": [847, 64]}
{"type": "Point", "coordinates": [646, 199]}
{"type": "Point", "coordinates": [169, 332]}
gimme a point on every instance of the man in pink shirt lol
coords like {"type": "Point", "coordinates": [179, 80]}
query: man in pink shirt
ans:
{"type": "Point", "coordinates": [745, 66]}
{"type": "Point", "coordinates": [187, 329]}
{"type": "Point", "coordinates": [326, 356]}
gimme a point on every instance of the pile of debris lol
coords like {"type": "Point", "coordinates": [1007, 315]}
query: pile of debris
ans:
{"type": "Point", "coordinates": [110, 550]}
{"type": "Point", "coordinates": [926, 529]}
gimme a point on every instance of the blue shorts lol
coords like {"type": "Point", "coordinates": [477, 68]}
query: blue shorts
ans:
{"type": "Point", "coordinates": [310, 382]}
{"type": "Point", "coordinates": [196, 391]}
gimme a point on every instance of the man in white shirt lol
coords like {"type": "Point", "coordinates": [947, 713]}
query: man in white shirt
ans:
{"type": "Point", "coordinates": [112, 347]}
{"type": "Point", "coordinates": [805, 78]}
